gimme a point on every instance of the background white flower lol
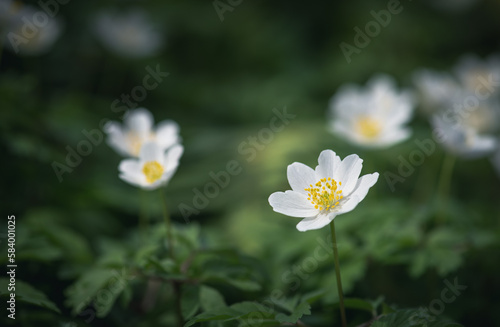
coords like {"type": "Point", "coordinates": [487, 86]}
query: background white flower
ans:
{"type": "Point", "coordinates": [154, 168]}
{"type": "Point", "coordinates": [436, 90]}
{"type": "Point", "coordinates": [461, 139]}
{"type": "Point", "coordinates": [372, 117]}
{"type": "Point", "coordinates": [474, 73]}
{"type": "Point", "coordinates": [130, 34]}
{"type": "Point", "coordinates": [138, 129]}
{"type": "Point", "coordinates": [320, 195]}
{"type": "Point", "coordinates": [16, 17]}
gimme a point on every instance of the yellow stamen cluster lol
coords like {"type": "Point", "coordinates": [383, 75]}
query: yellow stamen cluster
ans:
{"type": "Point", "coordinates": [324, 194]}
{"type": "Point", "coordinates": [368, 127]}
{"type": "Point", "coordinates": [153, 171]}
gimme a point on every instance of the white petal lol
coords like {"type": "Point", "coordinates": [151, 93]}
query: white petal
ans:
{"type": "Point", "coordinates": [300, 176]}
{"type": "Point", "coordinates": [172, 157]}
{"type": "Point", "coordinates": [292, 204]}
{"type": "Point", "coordinates": [140, 121]}
{"type": "Point", "coordinates": [363, 185]}
{"type": "Point", "coordinates": [133, 180]}
{"type": "Point", "coordinates": [151, 151]}
{"type": "Point", "coordinates": [328, 162]}
{"type": "Point", "coordinates": [167, 133]}
{"type": "Point", "coordinates": [348, 205]}
{"type": "Point", "coordinates": [116, 138]}
{"type": "Point", "coordinates": [131, 172]}
{"type": "Point", "coordinates": [129, 167]}
{"type": "Point", "coordinates": [392, 136]}
{"type": "Point", "coordinates": [348, 172]}
{"type": "Point", "coordinates": [316, 222]}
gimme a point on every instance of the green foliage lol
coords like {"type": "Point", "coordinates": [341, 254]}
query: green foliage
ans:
{"type": "Point", "coordinates": [92, 242]}
{"type": "Point", "coordinates": [27, 294]}
{"type": "Point", "coordinates": [411, 318]}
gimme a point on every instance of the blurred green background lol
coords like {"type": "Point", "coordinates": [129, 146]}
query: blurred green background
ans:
{"type": "Point", "coordinates": [225, 78]}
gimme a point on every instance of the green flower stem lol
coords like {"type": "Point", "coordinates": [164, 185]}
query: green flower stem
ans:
{"type": "Point", "coordinates": [168, 224]}
{"type": "Point", "coordinates": [176, 286]}
{"type": "Point", "coordinates": [444, 184]}
{"type": "Point", "coordinates": [337, 273]}
{"type": "Point", "coordinates": [143, 215]}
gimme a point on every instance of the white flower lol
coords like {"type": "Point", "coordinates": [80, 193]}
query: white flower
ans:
{"type": "Point", "coordinates": [374, 117]}
{"type": "Point", "coordinates": [320, 195]}
{"type": "Point", "coordinates": [23, 34]}
{"type": "Point", "coordinates": [478, 75]}
{"type": "Point", "coordinates": [153, 168]}
{"type": "Point", "coordinates": [128, 34]}
{"type": "Point", "coordinates": [437, 90]}
{"type": "Point", "coordinates": [138, 129]}
{"type": "Point", "coordinates": [462, 139]}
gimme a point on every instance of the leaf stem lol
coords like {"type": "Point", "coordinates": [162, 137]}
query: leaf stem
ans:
{"type": "Point", "coordinates": [337, 273]}
{"type": "Point", "coordinates": [444, 184]}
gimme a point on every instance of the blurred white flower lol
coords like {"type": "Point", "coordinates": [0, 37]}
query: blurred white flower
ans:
{"type": "Point", "coordinates": [129, 34]}
{"type": "Point", "coordinates": [476, 74]}
{"type": "Point", "coordinates": [372, 117]}
{"type": "Point", "coordinates": [154, 168]}
{"type": "Point", "coordinates": [437, 90]}
{"type": "Point", "coordinates": [320, 195]}
{"type": "Point", "coordinates": [462, 139]}
{"type": "Point", "coordinates": [26, 29]}
{"type": "Point", "coordinates": [137, 130]}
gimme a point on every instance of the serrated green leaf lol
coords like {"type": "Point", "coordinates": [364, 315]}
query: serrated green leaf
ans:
{"type": "Point", "coordinates": [412, 318]}
{"type": "Point", "coordinates": [301, 310]}
{"type": "Point", "coordinates": [27, 293]}
{"type": "Point", "coordinates": [100, 286]}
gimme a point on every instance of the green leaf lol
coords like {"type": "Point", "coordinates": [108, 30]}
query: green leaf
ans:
{"type": "Point", "coordinates": [211, 299]}
{"type": "Point", "coordinates": [302, 309]}
{"type": "Point", "coordinates": [100, 286]}
{"type": "Point", "coordinates": [223, 313]}
{"type": "Point", "coordinates": [359, 304]}
{"type": "Point", "coordinates": [249, 312]}
{"type": "Point", "coordinates": [240, 283]}
{"type": "Point", "coordinates": [312, 297]}
{"type": "Point", "coordinates": [190, 301]}
{"type": "Point", "coordinates": [27, 293]}
{"type": "Point", "coordinates": [412, 318]}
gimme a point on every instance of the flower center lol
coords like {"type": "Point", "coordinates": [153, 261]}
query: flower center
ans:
{"type": "Point", "coordinates": [368, 127]}
{"type": "Point", "coordinates": [324, 194]}
{"type": "Point", "coordinates": [153, 171]}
